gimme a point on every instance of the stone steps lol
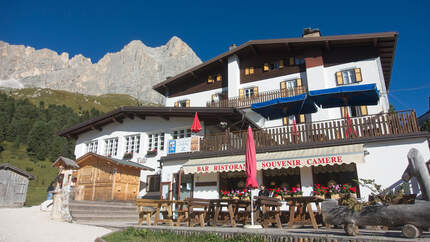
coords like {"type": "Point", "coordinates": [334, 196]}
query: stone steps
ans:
{"type": "Point", "coordinates": [93, 211]}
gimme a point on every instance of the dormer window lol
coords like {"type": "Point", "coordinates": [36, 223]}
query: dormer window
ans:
{"type": "Point", "coordinates": [218, 77]}
{"type": "Point", "coordinates": [249, 71]}
{"type": "Point", "coordinates": [210, 79]}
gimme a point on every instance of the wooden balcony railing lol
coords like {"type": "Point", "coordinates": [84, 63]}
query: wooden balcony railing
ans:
{"type": "Point", "coordinates": [243, 102]}
{"type": "Point", "coordinates": [387, 124]}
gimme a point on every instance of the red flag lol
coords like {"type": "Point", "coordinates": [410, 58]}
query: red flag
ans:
{"type": "Point", "coordinates": [251, 161]}
{"type": "Point", "coordinates": [196, 127]}
{"type": "Point", "coordinates": [294, 126]}
{"type": "Point", "coordinates": [350, 126]}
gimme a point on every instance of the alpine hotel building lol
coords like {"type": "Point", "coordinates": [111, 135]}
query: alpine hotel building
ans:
{"type": "Point", "coordinates": [318, 106]}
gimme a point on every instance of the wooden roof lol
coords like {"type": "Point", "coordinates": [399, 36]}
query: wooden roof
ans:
{"type": "Point", "coordinates": [7, 166]}
{"type": "Point", "coordinates": [66, 162]}
{"type": "Point", "coordinates": [118, 115]}
{"type": "Point", "coordinates": [113, 160]}
{"type": "Point", "coordinates": [385, 43]}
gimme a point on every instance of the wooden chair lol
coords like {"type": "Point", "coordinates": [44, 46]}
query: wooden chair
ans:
{"type": "Point", "coordinates": [197, 216]}
{"type": "Point", "coordinates": [182, 212]}
{"type": "Point", "coordinates": [268, 211]}
{"type": "Point", "coordinates": [146, 209]}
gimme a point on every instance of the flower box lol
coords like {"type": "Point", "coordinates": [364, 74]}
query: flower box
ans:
{"type": "Point", "coordinates": [151, 152]}
{"type": "Point", "coordinates": [127, 156]}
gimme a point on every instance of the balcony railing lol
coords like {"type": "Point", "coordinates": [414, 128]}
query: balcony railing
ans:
{"type": "Point", "coordinates": [337, 130]}
{"type": "Point", "coordinates": [243, 102]}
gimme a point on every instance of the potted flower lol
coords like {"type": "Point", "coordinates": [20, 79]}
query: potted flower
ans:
{"type": "Point", "coordinates": [334, 191]}
{"type": "Point", "coordinates": [128, 156]}
{"type": "Point", "coordinates": [296, 192]}
{"type": "Point", "coordinates": [151, 152]}
{"type": "Point", "coordinates": [278, 193]}
{"type": "Point", "coordinates": [349, 189]}
{"type": "Point", "coordinates": [225, 194]}
{"type": "Point", "coordinates": [319, 191]}
{"type": "Point", "coordinates": [244, 195]}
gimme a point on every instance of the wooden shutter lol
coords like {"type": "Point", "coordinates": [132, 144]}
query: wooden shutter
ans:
{"type": "Point", "coordinates": [281, 64]}
{"type": "Point", "coordinates": [176, 104]}
{"type": "Point", "coordinates": [241, 93]}
{"type": "Point", "coordinates": [251, 70]}
{"type": "Point", "coordinates": [283, 85]}
{"type": "Point", "coordinates": [363, 110]}
{"type": "Point", "coordinates": [187, 103]}
{"type": "Point", "coordinates": [344, 111]}
{"type": "Point", "coordinates": [255, 91]}
{"type": "Point", "coordinates": [218, 78]}
{"type": "Point", "coordinates": [213, 97]}
{"type": "Point", "coordinates": [358, 77]}
{"type": "Point", "coordinates": [339, 78]}
{"type": "Point", "coordinates": [299, 82]}
{"type": "Point", "coordinates": [302, 118]}
{"type": "Point", "coordinates": [285, 120]}
{"type": "Point", "coordinates": [292, 61]}
{"type": "Point", "coordinates": [266, 67]}
{"type": "Point", "coordinates": [246, 71]}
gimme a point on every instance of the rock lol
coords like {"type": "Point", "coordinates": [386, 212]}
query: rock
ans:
{"type": "Point", "coordinates": [133, 70]}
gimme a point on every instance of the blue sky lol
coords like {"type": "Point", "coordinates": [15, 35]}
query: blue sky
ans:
{"type": "Point", "coordinates": [94, 28]}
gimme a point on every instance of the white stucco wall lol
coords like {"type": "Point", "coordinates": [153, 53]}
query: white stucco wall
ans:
{"type": "Point", "coordinates": [134, 127]}
{"type": "Point", "coordinates": [233, 74]}
{"type": "Point", "coordinates": [196, 99]}
{"type": "Point", "coordinates": [387, 161]}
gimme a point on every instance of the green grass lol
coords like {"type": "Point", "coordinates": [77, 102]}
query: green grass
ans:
{"type": "Point", "coordinates": [132, 234]}
{"type": "Point", "coordinates": [104, 103]}
{"type": "Point", "coordinates": [42, 170]}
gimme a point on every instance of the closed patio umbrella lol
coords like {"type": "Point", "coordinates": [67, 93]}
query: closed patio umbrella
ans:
{"type": "Point", "coordinates": [196, 127]}
{"type": "Point", "coordinates": [251, 170]}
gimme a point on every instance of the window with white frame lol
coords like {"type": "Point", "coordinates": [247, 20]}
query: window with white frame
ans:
{"type": "Point", "coordinates": [111, 146]}
{"type": "Point", "coordinates": [92, 146]}
{"type": "Point", "coordinates": [156, 141]}
{"type": "Point", "coordinates": [249, 92]}
{"type": "Point", "coordinates": [348, 76]}
{"type": "Point", "coordinates": [132, 144]}
{"type": "Point", "coordinates": [182, 133]}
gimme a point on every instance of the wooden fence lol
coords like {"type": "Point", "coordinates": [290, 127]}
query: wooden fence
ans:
{"type": "Point", "coordinates": [387, 124]}
{"type": "Point", "coordinates": [242, 102]}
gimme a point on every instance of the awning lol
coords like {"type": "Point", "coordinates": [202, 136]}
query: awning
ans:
{"type": "Point", "coordinates": [284, 106]}
{"type": "Point", "coordinates": [338, 155]}
{"type": "Point", "coordinates": [354, 95]}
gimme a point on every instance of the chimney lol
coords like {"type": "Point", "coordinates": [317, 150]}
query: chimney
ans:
{"type": "Point", "coordinates": [309, 33]}
{"type": "Point", "coordinates": [231, 47]}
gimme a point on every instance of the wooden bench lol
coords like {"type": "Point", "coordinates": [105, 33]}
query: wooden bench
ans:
{"type": "Point", "coordinates": [197, 216]}
{"type": "Point", "coordinates": [268, 211]}
{"type": "Point", "coordinates": [146, 208]}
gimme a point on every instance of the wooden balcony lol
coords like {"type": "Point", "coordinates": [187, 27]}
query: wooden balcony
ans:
{"type": "Point", "coordinates": [336, 130]}
{"type": "Point", "coordinates": [244, 102]}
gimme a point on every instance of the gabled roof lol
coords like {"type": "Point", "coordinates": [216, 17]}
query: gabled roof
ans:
{"type": "Point", "coordinates": [114, 160]}
{"type": "Point", "coordinates": [384, 42]}
{"type": "Point", "coordinates": [117, 115]}
{"type": "Point", "coordinates": [66, 161]}
{"type": "Point", "coordinates": [7, 166]}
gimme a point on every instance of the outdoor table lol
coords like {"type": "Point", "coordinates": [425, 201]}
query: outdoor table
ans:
{"type": "Point", "coordinates": [304, 207]}
{"type": "Point", "coordinates": [233, 207]}
{"type": "Point", "coordinates": [161, 206]}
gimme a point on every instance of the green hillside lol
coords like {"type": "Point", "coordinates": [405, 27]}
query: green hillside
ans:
{"type": "Point", "coordinates": [76, 101]}
{"type": "Point", "coordinates": [42, 170]}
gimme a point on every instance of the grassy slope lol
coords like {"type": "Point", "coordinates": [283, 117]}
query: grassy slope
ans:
{"type": "Point", "coordinates": [104, 103]}
{"type": "Point", "coordinates": [42, 170]}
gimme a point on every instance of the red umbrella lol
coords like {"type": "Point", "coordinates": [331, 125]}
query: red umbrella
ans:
{"type": "Point", "coordinates": [251, 161]}
{"type": "Point", "coordinates": [196, 127]}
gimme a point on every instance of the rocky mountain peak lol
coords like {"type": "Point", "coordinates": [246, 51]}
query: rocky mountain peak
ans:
{"type": "Point", "coordinates": [133, 70]}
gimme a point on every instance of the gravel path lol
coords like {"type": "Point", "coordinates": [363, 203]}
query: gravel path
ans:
{"type": "Point", "coordinates": [31, 224]}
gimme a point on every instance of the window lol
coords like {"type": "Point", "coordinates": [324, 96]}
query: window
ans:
{"type": "Point", "coordinates": [182, 103]}
{"type": "Point", "coordinates": [249, 71]}
{"type": "Point", "coordinates": [153, 183]}
{"type": "Point", "coordinates": [210, 79]}
{"type": "Point", "coordinates": [218, 77]}
{"type": "Point", "coordinates": [111, 147]}
{"type": "Point", "coordinates": [353, 111]}
{"type": "Point", "coordinates": [182, 133]}
{"type": "Point", "coordinates": [300, 119]}
{"type": "Point", "coordinates": [156, 141]}
{"type": "Point", "coordinates": [249, 92]}
{"type": "Point", "coordinates": [299, 61]}
{"type": "Point", "coordinates": [132, 144]}
{"type": "Point", "coordinates": [92, 146]}
{"type": "Point", "coordinates": [348, 76]}
{"type": "Point", "coordinates": [272, 66]}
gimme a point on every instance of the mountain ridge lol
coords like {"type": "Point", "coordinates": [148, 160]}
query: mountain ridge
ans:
{"type": "Point", "coordinates": [133, 70]}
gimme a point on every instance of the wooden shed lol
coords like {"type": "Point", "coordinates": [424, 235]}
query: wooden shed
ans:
{"type": "Point", "coordinates": [106, 178]}
{"type": "Point", "coordinates": [13, 185]}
